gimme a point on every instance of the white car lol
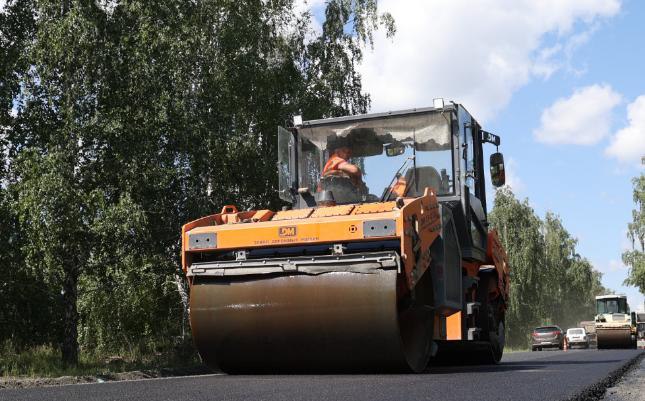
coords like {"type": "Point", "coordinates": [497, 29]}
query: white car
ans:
{"type": "Point", "coordinates": [577, 336]}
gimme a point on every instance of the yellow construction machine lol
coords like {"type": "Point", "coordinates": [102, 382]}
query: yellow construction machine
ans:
{"type": "Point", "coordinates": [615, 326]}
{"type": "Point", "coordinates": [381, 261]}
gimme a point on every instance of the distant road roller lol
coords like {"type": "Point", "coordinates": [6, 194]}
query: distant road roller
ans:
{"type": "Point", "coordinates": [381, 261]}
{"type": "Point", "coordinates": [615, 326]}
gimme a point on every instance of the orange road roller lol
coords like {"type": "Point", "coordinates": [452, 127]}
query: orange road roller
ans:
{"type": "Point", "coordinates": [382, 260]}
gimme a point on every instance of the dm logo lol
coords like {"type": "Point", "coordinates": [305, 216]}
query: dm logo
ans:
{"type": "Point", "coordinates": [289, 231]}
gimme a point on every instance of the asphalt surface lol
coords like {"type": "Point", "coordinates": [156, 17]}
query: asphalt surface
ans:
{"type": "Point", "coordinates": [547, 375]}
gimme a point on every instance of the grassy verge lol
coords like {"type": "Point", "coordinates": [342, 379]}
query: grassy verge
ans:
{"type": "Point", "coordinates": [45, 361]}
{"type": "Point", "coordinates": [510, 350]}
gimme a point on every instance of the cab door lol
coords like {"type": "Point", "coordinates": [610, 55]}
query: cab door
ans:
{"type": "Point", "coordinates": [287, 175]}
{"type": "Point", "coordinates": [473, 195]}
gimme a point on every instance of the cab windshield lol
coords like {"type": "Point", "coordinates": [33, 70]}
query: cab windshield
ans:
{"type": "Point", "coordinates": [611, 306]}
{"type": "Point", "coordinates": [379, 158]}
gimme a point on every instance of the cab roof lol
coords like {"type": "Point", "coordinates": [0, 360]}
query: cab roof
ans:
{"type": "Point", "coordinates": [361, 117]}
{"type": "Point", "coordinates": [613, 296]}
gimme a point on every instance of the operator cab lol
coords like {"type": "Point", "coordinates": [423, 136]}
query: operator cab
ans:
{"type": "Point", "coordinates": [611, 304]}
{"type": "Point", "coordinates": [398, 155]}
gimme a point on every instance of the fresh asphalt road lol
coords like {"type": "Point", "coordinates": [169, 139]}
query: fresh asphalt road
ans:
{"type": "Point", "coordinates": [547, 375]}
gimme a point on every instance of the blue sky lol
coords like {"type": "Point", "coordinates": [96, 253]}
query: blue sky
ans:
{"type": "Point", "coordinates": [560, 81]}
{"type": "Point", "coordinates": [591, 191]}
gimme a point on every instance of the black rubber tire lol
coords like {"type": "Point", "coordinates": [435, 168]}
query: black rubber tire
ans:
{"type": "Point", "coordinates": [490, 321]}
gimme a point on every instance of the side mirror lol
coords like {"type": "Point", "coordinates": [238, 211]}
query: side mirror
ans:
{"type": "Point", "coordinates": [394, 149]}
{"type": "Point", "coordinates": [497, 172]}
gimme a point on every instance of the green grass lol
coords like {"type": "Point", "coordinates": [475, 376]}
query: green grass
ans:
{"type": "Point", "coordinates": [510, 350]}
{"type": "Point", "coordinates": [45, 361]}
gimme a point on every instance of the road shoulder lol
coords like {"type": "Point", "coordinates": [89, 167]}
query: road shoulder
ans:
{"type": "Point", "coordinates": [631, 386]}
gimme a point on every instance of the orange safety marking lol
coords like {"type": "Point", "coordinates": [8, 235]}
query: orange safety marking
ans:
{"type": "Point", "coordinates": [292, 214]}
{"type": "Point", "coordinates": [290, 232]}
{"type": "Point", "coordinates": [496, 255]}
{"type": "Point", "coordinates": [420, 224]}
{"type": "Point", "coordinates": [330, 211]}
{"type": "Point", "coordinates": [380, 207]}
{"type": "Point", "coordinates": [453, 326]}
{"type": "Point", "coordinates": [262, 215]}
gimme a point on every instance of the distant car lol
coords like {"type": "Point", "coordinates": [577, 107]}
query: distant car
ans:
{"type": "Point", "coordinates": [577, 337]}
{"type": "Point", "coordinates": [547, 337]}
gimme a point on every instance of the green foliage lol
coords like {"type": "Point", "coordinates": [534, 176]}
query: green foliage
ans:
{"type": "Point", "coordinates": [635, 258]}
{"type": "Point", "coordinates": [550, 282]}
{"type": "Point", "coordinates": [519, 230]}
{"type": "Point", "coordinates": [130, 120]}
{"type": "Point", "coordinates": [45, 361]}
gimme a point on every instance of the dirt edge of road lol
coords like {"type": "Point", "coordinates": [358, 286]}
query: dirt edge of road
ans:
{"type": "Point", "coordinates": [596, 392]}
{"type": "Point", "coordinates": [631, 386]}
{"type": "Point", "coordinates": [27, 382]}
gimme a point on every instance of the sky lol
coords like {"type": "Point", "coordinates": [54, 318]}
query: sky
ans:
{"type": "Point", "coordinates": [561, 81]}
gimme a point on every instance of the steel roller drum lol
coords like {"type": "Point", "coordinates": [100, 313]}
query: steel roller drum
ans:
{"type": "Point", "coordinates": [337, 321]}
{"type": "Point", "coordinates": [614, 338]}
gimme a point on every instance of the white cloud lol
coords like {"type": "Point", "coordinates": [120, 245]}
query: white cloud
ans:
{"type": "Point", "coordinates": [584, 118]}
{"type": "Point", "coordinates": [476, 53]}
{"type": "Point", "coordinates": [635, 303]}
{"type": "Point", "coordinates": [513, 180]}
{"type": "Point", "coordinates": [628, 144]}
{"type": "Point", "coordinates": [312, 7]}
{"type": "Point", "coordinates": [545, 63]}
{"type": "Point", "coordinates": [301, 6]}
{"type": "Point", "coordinates": [617, 265]}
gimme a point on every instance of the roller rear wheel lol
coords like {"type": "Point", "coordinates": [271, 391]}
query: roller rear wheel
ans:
{"type": "Point", "coordinates": [491, 320]}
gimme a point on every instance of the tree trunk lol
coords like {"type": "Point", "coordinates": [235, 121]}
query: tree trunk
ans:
{"type": "Point", "coordinates": [69, 347]}
{"type": "Point", "coordinates": [183, 294]}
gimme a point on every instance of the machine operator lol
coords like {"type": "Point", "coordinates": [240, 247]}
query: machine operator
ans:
{"type": "Point", "coordinates": [338, 164]}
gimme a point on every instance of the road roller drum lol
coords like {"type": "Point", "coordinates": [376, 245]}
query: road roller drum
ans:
{"type": "Point", "coordinates": [614, 338]}
{"type": "Point", "coordinates": [338, 321]}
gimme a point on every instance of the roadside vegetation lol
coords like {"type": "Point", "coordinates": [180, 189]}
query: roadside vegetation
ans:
{"type": "Point", "coordinates": [119, 122]}
{"type": "Point", "coordinates": [45, 361]}
{"type": "Point", "coordinates": [551, 283]}
{"type": "Point", "coordinates": [635, 257]}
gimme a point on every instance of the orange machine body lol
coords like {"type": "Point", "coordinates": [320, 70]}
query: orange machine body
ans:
{"type": "Point", "coordinates": [417, 224]}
